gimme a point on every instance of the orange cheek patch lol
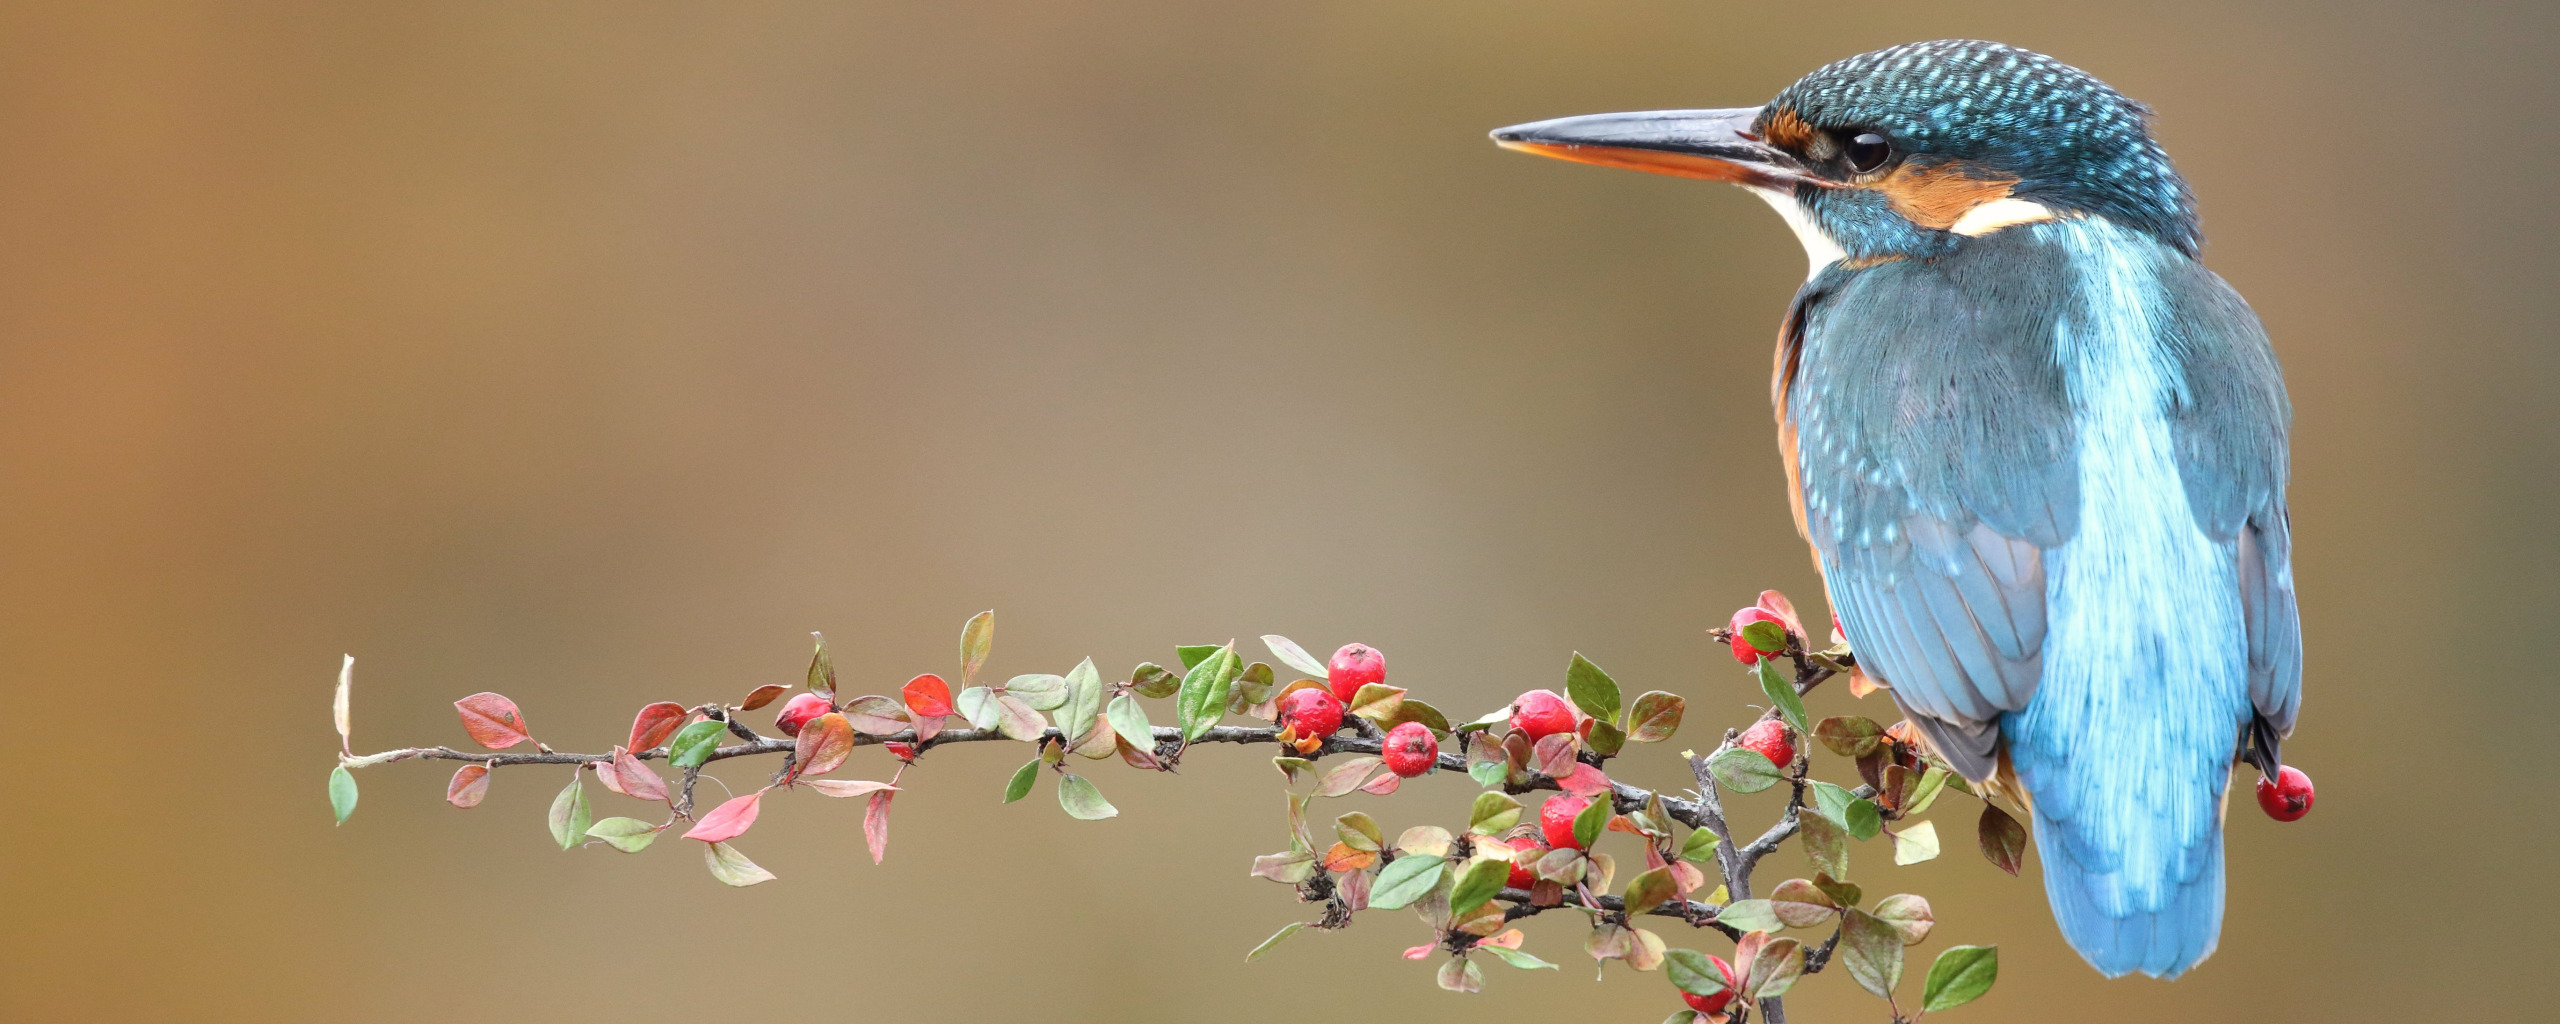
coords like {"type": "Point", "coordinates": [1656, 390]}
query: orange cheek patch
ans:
{"type": "Point", "coordinates": [1936, 196]}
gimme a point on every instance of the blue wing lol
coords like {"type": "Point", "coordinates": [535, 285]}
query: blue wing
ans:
{"type": "Point", "coordinates": [1941, 458]}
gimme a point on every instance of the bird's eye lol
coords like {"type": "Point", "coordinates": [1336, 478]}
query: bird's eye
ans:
{"type": "Point", "coordinates": [1868, 151]}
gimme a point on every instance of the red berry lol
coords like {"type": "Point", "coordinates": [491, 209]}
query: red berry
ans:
{"type": "Point", "coordinates": [1742, 649]}
{"type": "Point", "coordinates": [2287, 797]}
{"type": "Point", "coordinates": [1541, 713]}
{"type": "Point", "coordinates": [1556, 820]}
{"type": "Point", "coordinates": [1772, 739]}
{"type": "Point", "coordinates": [799, 712]}
{"type": "Point", "coordinates": [1714, 1003]}
{"type": "Point", "coordinates": [1411, 749]}
{"type": "Point", "coordinates": [1312, 711]}
{"type": "Point", "coordinates": [1355, 666]}
{"type": "Point", "coordinates": [1529, 850]}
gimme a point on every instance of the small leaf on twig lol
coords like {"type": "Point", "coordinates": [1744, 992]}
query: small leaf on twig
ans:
{"type": "Point", "coordinates": [822, 668]}
{"type": "Point", "coordinates": [762, 695]}
{"type": "Point", "coordinates": [729, 820]}
{"type": "Point", "coordinates": [1743, 770]}
{"type": "Point", "coordinates": [1082, 799]}
{"type": "Point", "coordinates": [1872, 951]}
{"type": "Point", "coordinates": [1591, 689]}
{"type": "Point", "coordinates": [569, 818]}
{"type": "Point", "coordinates": [654, 724]}
{"type": "Point", "coordinates": [338, 703]}
{"type": "Point", "coordinates": [694, 744]}
{"type": "Point", "coordinates": [1916, 843]}
{"type": "Point", "coordinates": [1285, 931]}
{"type": "Point", "coordinates": [2004, 841]}
{"type": "Point", "coordinates": [928, 695]}
{"type": "Point", "coordinates": [1782, 694]}
{"type": "Point", "coordinates": [629, 835]}
{"type": "Point", "coordinates": [822, 746]}
{"type": "Point", "coordinates": [470, 784]}
{"type": "Point", "coordinates": [492, 720]}
{"type": "Point", "coordinates": [847, 788]}
{"type": "Point", "coordinates": [875, 823]}
{"type": "Point", "coordinates": [1294, 656]}
{"type": "Point", "coordinates": [342, 792]}
{"type": "Point", "coordinates": [976, 638]}
{"type": "Point", "coordinates": [1960, 975]}
{"type": "Point", "coordinates": [1849, 736]}
{"type": "Point", "coordinates": [1655, 716]}
{"type": "Point", "coordinates": [732, 867]}
{"type": "Point", "coordinates": [1407, 879]}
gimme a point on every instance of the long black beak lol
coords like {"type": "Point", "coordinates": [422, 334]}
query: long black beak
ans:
{"type": "Point", "coordinates": [1716, 145]}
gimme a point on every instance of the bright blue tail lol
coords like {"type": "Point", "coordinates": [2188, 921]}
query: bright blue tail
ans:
{"type": "Point", "coordinates": [2119, 926]}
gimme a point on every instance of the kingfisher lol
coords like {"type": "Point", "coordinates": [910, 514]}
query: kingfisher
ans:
{"type": "Point", "coordinates": [2037, 449]}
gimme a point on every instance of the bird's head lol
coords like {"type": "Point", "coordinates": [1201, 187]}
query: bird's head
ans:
{"type": "Point", "coordinates": [1908, 150]}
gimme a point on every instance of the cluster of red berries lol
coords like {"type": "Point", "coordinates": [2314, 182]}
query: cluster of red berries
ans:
{"type": "Point", "coordinates": [1311, 713]}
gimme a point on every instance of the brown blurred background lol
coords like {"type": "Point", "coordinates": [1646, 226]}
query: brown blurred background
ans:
{"type": "Point", "coordinates": [596, 353]}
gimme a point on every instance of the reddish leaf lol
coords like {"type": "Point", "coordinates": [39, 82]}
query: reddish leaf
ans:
{"type": "Point", "coordinates": [632, 778]}
{"type": "Point", "coordinates": [1585, 781]}
{"type": "Point", "coordinates": [847, 787]}
{"type": "Point", "coordinates": [1142, 759]}
{"type": "Point", "coordinates": [605, 774]}
{"type": "Point", "coordinates": [875, 824]}
{"type": "Point", "coordinates": [1421, 951]}
{"type": "Point", "coordinates": [1384, 785]}
{"type": "Point", "coordinates": [492, 720]}
{"type": "Point", "coordinates": [1353, 888]}
{"type": "Point", "coordinates": [927, 694]}
{"type": "Point", "coordinates": [728, 821]}
{"type": "Point", "coordinates": [470, 783]}
{"type": "Point", "coordinates": [823, 745]}
{"type": "Point", "coordinates": [928, 727]}
{"type": "Point", "coordinates": [2004, 841]}
{"type": "Point", "coordinates": [1777, 604]}
{"type": "Point", "coordinates": [876, 715]}
{"type": "Point", "coordinates": [1554, 755]}
{"type": "Point", "coordinates": [761, 696]}
{"type": "Point", "coordinates": [654, 724]}
{"type": "Point", "coordinates": [1860, 683]}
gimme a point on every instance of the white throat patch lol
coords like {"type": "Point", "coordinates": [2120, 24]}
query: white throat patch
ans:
{"type": "Point", "coordinates": [1819, 250]}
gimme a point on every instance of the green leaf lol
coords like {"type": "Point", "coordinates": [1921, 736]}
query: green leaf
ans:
{"type": "Point", "coordinates": [1359, 832]}
{"type": "Point", "coordinates": [1829, 800]}
{"type": "Point", "coordinates": [1285, 931]}
{"type": "Point", "coordinates": [1593, 820]}
{"type": "Point", "coordinates": [1932, 783]}
{"type": "Point", "coordinates": [1960, 975]}
{"type": "Point", "coordinates": [1204, 692]}
{"type": "Point", "coordinates": [1649, 890]}
{"type": "Point", "coordinates": [342, 792]}
{"type": "Point", "coordinates": [1743, 770]}
{"type": "Point", "coordinates": [1782, 695]}
{"type": "Point", "coordinates": [1478, 885]}
{"type": "Point", "coordinates": [1376, 701]}
{"type": "Point", "coordinates": [1491, 719]}
{"type": "Point", "coordinates": [822, 668]}
{"type": "Point", "coordinates": [693, 744]}
{"type": "Point", "coordinates": [1700, 847]}
{"type": "Point", "coordinates": [1286, 868]}
{"type": "Point", "coordinates": [1295, 657]}
{"type": "Point", "coordinates": [1684, 1017]}
{"type": "Point", "coordinates": [1655, 716]}
{"type": "Point", "coordinates": [1908, 915]}
{"type": "Point", "coordinates": [1461, 976]}
{"type": "Point", "coordinates": [1411, 710]}
{"type": "Point", "coordinates": [1851, 736]}
{"type": "Point", "coordinates": [569, 818]}
{"type": "Point", "coordinates": [1083, 704]}
{"type": "Point", "coordinates": [1765, 636]}
{"type": "Point", "coordinates": [1194, 654]}
{"type": "Point", "coordinates": [1825, 844]}
{"type": "Point", "coordinates": [978, 705]}
{"type": "Point", "coordinates": [1916, 843]}
{"type": "Point", "coordinates": [1517, 958]}
{"type": "Point", "coordinates": [977, 636]}
{"type": "Point", "coordinates": [1151, 680]}
{"type": "Point", "coordinates": [1405, 880]}
{"type": "Point", "coordinates": [1020, 785]}
{"type": "Point", "coordinates": [1863, 820]}
{"type": "Point", "coordinates": [1251, 688]}
{"type": "Point", "coordinates": [1605, 740]}
{"type": "Point", "coordinates": [1751, 916]}
{"type": "Point", "coordinates": [1038, 691]}
{"type": "Point", "coordinates": [1487, 773]}
{"type": "Point", "coordinates": [732, 867]}
{"type": "Point", "coordinates": [1493, 813]}
{"type": "Point", "coordinates": [1129, 719]}
{"type": "Point", "coordinates": [2004, 841]}
{"type": "Point", "coordinates": [1692, 972]}
{"type": "Point", "coordinates": [629, 835]}
{"type": "Point", "coordinates": [1082, 799]}
{"type": "Point", "coordinates": [1801, 904]}
{"type": "Point", "coordinates": [1872, 951]}
{"type": "Point", "coordinates": [1591, 689]}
